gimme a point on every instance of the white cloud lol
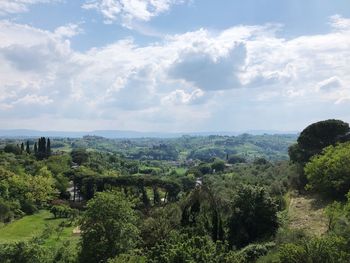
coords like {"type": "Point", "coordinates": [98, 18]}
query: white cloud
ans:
{"type": "Point", "coordinates": [68, 31]}
{"type": "Point", "coordinates": [33, 99]}
{"type": "Point", "coordinates": [330, 84]}
{"type": "Point", "coordinates": [18, 6]}
{"type": "Point", "coordinates": [339, 22]}
{"type": "Point", "coordinates": [127, 12]}
{"type": "Point", "coordinates": [197, 80]}
{"type": "Point", "coordinates": [179, 97]}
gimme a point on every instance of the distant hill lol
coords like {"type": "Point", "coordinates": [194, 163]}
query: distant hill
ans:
{"type": "Point", "coordinates": [115, 134]}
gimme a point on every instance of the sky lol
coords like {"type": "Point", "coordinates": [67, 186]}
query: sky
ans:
{"type": "Point", "coordinates": [173, 65]}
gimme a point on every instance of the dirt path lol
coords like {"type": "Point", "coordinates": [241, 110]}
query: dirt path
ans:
{"type": "Point", "coordinates": [307, 213]}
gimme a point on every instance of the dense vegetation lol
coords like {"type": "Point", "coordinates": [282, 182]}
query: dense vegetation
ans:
{"type": "Point", "coordinates": [189, 199]}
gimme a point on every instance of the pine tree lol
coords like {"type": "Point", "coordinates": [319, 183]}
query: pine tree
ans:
{"type": "Point", "coordinates": [22, 147]}
{"type": "Point", "coordinates": [28, 148]}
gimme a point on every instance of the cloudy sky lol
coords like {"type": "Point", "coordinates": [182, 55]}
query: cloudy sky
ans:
{"type": "Point", "coordinates": [173, 65]}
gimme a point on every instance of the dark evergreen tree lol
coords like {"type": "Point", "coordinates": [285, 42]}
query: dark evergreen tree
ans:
{"type": "Point", "coordinates": [42, 149]}
{"type": "Point", "coordinates": [28, 148]}
{"type": "Point", "coordinates": [35, 148]}
{"type": "Point", "coordinates": [48, 147]}
{"type": "Point", "coordinates": [22, 147]}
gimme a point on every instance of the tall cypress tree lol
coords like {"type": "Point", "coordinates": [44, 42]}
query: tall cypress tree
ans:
{"type": "Point", "coordinates": [48, 147]}
{"type": "Point", "coordinates": [35, 148]}
{"type": "Point", "coordinates": [28, 148]}
{"type": "Point", "coordinates": [22, 147]}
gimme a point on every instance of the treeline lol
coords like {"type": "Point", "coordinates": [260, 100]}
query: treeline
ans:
{"type": "Point", "coordinates": [41, 149]}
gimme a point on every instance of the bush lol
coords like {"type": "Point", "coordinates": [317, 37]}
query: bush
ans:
{"type": "Point", "coordinates": [253, 251]}
{"type": "Point", "coordinates": [62, 211]}
{"type": "Point", "coordinates": [329, 173]}
{"type": "Point", "coordinates": [254, 216]}
{"type": "Point", "coordinates": [328, 249]}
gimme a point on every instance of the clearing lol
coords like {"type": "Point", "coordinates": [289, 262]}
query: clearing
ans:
{"type": "Point", "coordinates": [34, 225]}
{"type": "Point", "coordinates": [306, 212]}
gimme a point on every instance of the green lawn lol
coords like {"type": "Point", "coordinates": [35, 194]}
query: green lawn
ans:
{"type": "Point", "coordinates": [33, 225]}
{"type": "Point", "coordinates": [181, 170]}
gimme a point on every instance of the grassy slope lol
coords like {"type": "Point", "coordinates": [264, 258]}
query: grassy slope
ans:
{"type": "Point", "coordinates": [30, 226]}
{"type": "Point", "coordinates": [307, 213]}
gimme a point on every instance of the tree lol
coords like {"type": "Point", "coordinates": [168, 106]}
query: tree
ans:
{"type": "Point", "coordinates": [22, 147]}
{"type": "Point", "coordinates": [108, 227]}
{"type": "Point", "coordinates": [254, 216]}
{"type": "Point", "coordinates": [161, 222]}
{"type": "Point", "coordinates": [27, 147]}
{"type": "Point", "coordinates": [48, 147]}
{"type": "Point", "coordinates": [79, 156]}
{"type": "Point", "coordinates": [11, 148]}
{"type": "Point", "coordinates": [35, 148]}
{"type": "Point", "coordinates": [179, 247]}
{"type": "Point", "coordinates": [317, 136]}
{"type": "Point", "coordinates": [41, 187]}
{"type": "Point", "coordinates": [329, 172]}
{"type": "Point", "coordinates": [233, 159]}
{"type": "Point", "coordinates": [218, 165]}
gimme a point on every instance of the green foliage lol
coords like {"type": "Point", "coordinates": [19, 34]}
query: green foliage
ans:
{"type": "Point", "coordinates": [254, 216]}
{"type": "Point", "coordinates": [79, 156]}
{"type": "Point", "coordinates": [233, 159]}
{"type": "Point", "coordinates": [43, 148]}
{"type": "Point", "coordinates": [63, 211]}
{"type": "Point", "coordinates": [254, 251]}
{"type": "Point", "coordinates": [11, 148]}
{"type": "Point", "coordinates": [108, 227]}
{"type": "Point", "coordinates": [131, 257]}
{"type": "Point", "coordinates": [329, 173]}
{"type": "Point", "coordinates": [184, 248]}
{"type": "Point", "coordinates": [327, 249]}
{"type": "Point", "coordinates": [25, 252]}
{"type": "Point", "coordinates": [24, 193]}
{"type": "Point", "coordinates": [317, 136]}
{"type": "Point", "coordinates": [33, 251]}
{"type": "Point", "coordinates": [160, 223]}
{"type": "Point", "coordinates": [339, 218]}
{"type": "Point", "coordinates": [218, 165]}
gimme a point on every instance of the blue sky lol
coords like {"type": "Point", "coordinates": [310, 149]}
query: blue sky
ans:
{"type": "Point", "coordinates": [173, 65]}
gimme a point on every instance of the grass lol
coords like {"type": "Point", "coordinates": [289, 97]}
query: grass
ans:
{"type": "Point", "coordinates": [34, 225]}
{"type": "Point", "coordinates": [181, 170]}
{"type": "Point", "coordinates": [307, 213]}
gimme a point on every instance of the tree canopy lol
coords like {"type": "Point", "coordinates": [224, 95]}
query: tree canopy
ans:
{"type": "Point", "coordinates": [317, 136]}
{"type": "Point", "coordinates": [108, 227]}
{"type": "Point", "coordinates": [329, 172]}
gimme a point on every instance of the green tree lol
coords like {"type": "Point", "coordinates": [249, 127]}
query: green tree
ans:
{"type": "Point", "coordinates": [160, 223]}
{"type": "Point", "coordinates": [35, 148]}
{"type": "Point", "coordinates": [317, 136]}
{"type": "Point", "coordinates": [218, 165]}
{"type": "Point", "coordinates": [41, 187]}
{"type": "Point", "coordinates": [108, 227]}
{"type": "Point", "coordinates": [184, 248]}
{"type": "Point", "coordinates": [27, 147]}
{"type": "Point", "coordinates": [79, 156]}
{"type": "Point", "coordinates": [11, 148]}
{"type": "Point", "coordinates": [329, 172]}
{"type": "Point", "coordinates": [48, 147]}
{"type": "Point", "coordinates": [254, 216]}
{"type": "Point", "coordinates": [327, 249]}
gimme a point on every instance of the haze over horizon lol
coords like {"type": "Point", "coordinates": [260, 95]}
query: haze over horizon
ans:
{"type": "Point", "coordinates": [173, 65]}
